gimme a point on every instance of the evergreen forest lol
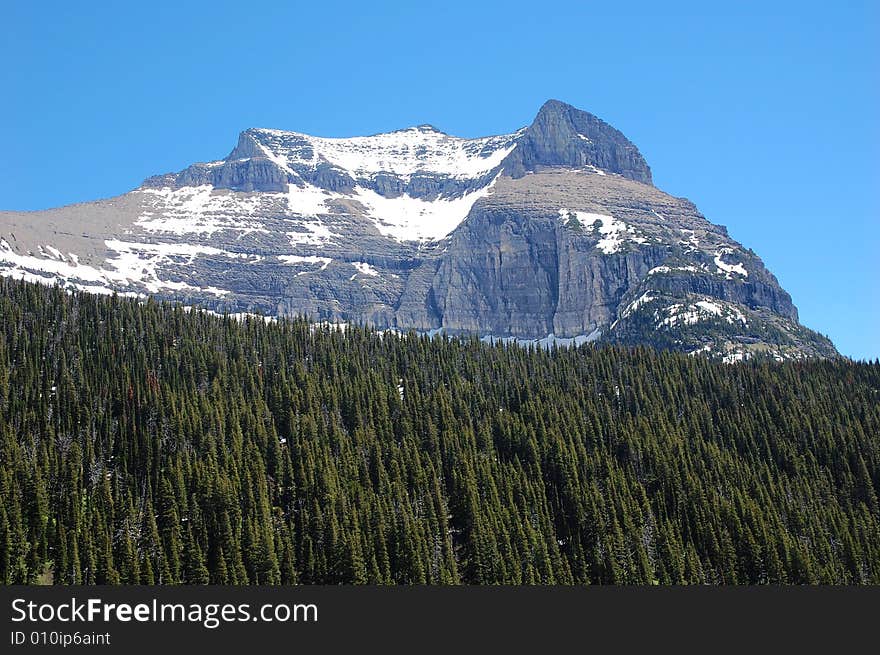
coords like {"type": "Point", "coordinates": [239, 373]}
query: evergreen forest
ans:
{"type": "Point", "coordinates": [142, 443]}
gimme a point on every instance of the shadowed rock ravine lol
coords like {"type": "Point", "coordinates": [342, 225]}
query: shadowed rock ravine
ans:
{"type": "Point", "coordinates": [553, 234]}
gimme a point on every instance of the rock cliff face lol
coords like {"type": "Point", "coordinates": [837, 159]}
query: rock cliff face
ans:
{"type": "Point", "coordinates": [552, 234]}
{"type": "Point", "coordinates": [564, 136]}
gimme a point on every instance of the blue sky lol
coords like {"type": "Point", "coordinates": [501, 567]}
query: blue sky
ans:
{"type": "Point", "coordinates": [762, 113]}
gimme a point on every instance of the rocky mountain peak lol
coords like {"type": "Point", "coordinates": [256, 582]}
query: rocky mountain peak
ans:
{"type": "Point", "coordinates": [551, 234]}
{"type": "Point", "coordinates": [562, 135]}
{"type": "Point", "coordinates": [248, 145]}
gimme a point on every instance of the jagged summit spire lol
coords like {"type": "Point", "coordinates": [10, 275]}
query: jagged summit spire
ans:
{"type": "Point", "coordinates": [562, 135]}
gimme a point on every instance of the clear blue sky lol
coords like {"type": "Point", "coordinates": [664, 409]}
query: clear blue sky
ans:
{"type": "Point", "coordinates": [765, 114]}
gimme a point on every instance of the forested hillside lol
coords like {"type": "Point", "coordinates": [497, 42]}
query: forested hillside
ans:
{"type": "Point", "coordinates": [141, 443]}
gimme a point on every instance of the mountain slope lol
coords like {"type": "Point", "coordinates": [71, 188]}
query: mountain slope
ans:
{"type": "Point", "coordinates": [553, 233]}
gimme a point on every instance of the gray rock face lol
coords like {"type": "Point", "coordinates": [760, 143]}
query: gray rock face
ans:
{"type": "Point", "coordinates": [513, 275]}
{"type": "Point", "coordinates": [564, 136]}
{"type": "Point", "coordinates": [513, 268]}
{"type": "Point", "coordinates": [552, 233]}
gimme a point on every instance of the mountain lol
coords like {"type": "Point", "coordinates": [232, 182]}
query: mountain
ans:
{"type": "Point", "coordinates": [554, 233]}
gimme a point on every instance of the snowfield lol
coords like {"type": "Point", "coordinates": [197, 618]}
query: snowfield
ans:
{"type": "Point", "coordinates": [412, 219]}
{"type": "Point", "coordinates": [402, 152]}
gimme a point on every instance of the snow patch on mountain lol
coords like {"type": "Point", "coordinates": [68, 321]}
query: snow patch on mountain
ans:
{"type": "Point", "coordinates": [402, 153]}
{"type": "Point", "coordinates": [140, 263]}
{"type": "Point", "coordinates": [691, 313]}
{"type": "Point", "coordinates": [201, 210]}
{"type": "Point", "coordinates": [129, 264]}
{"type": "Point", "coordinates": [305, 259]}
{"type": "Point", "coordinates": [669, 269]}
{"type": "Point", "coordinates": [691, 243]}
{"type": "Point", "coordinates": [739, 269]}
{"type": "Point", "coordinates": [612, 232]}
{"type": "Point", "coordinates": [364, 268]}
{"type": "Point", "coordinates": [205, 210]}
{"type": "Point", "coordinates": [46, 271]}
{"type": "Point", "coordinates": [55, 253]}
{"type": "Point", "coordinates": [315, 234]}
{"type": "Point", "coordinates": [413, 219]}
{"type": "Point", "coordinates": [644, 299]}
{"type": "Point", "coordinates": [308, 200]}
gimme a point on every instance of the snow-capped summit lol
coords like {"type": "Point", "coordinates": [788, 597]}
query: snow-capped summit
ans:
{"type": "Point", "coordinates": [553, 234]}
{"type": "Point", "coordinates": [416, 150]}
